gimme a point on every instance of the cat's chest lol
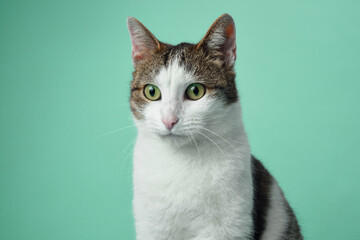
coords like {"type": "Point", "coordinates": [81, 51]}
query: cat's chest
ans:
{"type": "Point", "coordinates": [178, 191]}
{"type": "Point", "coordinates": [165, 175]}
{"type": "Point", "coordinates": [162, 175]}
{"type": "Point", "coordinates": [172, 185]}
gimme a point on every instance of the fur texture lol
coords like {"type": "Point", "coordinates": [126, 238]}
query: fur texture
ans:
{"type": "Point", "coordinates": [198, 180]}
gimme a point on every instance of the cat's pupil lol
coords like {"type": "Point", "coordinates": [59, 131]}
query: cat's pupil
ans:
{"type": "Point", "coordinates": [152, 91]}
{"type": "Point", "coordinates": [195, 90]}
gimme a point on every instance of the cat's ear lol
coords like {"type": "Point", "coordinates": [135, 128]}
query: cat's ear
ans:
{"type": "Point", "coordinates": [221, 37]}
{"type": "Point", "coordinates": [143, 41]}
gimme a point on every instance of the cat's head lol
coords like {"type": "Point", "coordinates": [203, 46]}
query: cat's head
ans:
{"type": "Point", "coordinates": [178, 91]}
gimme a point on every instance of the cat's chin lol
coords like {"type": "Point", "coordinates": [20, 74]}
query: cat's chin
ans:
{"type": "Point", "coordinates": [171, 135]}
{"type": "Point", "coordinates": [174, 138]}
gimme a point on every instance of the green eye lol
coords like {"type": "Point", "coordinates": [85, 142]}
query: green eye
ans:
{"type": "Point", "coordinates": [152, 92]}
{"type": "Point", "coordinates": [195, 91]}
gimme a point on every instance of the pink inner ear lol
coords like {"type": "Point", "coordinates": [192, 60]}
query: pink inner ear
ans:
{"type": "Point", "coordinates": [229, 31]}
{"type": "Point", "coordinates": [137, 53]}
{"type": "Point", "coordinates": [140, 50]}
{"type": "Point", "coordinates": [230, 35]}
{"type": "Point", "coordinates": [143, 42]}
{"type": "Point", "coordinates": [137, 56]}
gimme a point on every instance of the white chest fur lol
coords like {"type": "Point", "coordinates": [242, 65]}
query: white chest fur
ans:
{"type": "Point", "coordinates": [192, 193]}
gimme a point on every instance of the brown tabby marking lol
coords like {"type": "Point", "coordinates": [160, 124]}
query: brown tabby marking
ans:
{"type": "Point", "coordinates": [208, 67]}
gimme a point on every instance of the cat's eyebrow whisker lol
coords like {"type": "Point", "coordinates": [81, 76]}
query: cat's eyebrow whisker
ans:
{"type": "Point", "coordinates": [212, 142]}
{"type": "Point", "coordinates": [220, 137]}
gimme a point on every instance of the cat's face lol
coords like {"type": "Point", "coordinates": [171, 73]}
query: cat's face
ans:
{"type": "Point", "coordinates": [177, 91]}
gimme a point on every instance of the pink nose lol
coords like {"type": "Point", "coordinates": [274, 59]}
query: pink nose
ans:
{"type": "Point", "coordinates": [170, 122]}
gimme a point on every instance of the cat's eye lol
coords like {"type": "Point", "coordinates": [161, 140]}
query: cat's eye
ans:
{"type": "Point", "coordinates": [152, 92]}
{"type": "Point", "coordinates": [195, 91]}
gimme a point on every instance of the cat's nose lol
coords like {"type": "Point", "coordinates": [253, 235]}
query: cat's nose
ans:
{"type": "Point", "coordinates": [169, 121]}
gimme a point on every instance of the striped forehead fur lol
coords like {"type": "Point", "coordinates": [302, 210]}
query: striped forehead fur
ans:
{"type": "Point", "coordinates": [207, 66]}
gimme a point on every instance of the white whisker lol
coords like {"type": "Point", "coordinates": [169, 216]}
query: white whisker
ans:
{"type": "Point", "coordinates": [114, 131]}
{"type": "Point", "coordinates": [196, 146]}
{"type": "Point", "coordinates": [220, 137]}
{"type": "Point", "coordinates": [124, 160]}
{"type": "Point", "coordinates": [129, 162]}
{"type": "Point", "coordinates": [212, 142]}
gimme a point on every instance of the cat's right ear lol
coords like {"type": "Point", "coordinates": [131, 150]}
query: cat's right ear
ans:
{"type": "Point", "coordinates": [143, 41]}
{"type": "Point", "coordinates": [221, 38]}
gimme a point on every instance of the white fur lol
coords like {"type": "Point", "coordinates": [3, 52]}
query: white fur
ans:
{"type": "Point", "coordinates": [277, 217]}
{"type": "Point", "coordinates": [191, 185]}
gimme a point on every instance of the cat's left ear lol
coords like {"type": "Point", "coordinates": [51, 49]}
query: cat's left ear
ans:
{"type": "Point", "coordinates": [144, 43]}
{"type": "Point", "coordinates": [221, 38]}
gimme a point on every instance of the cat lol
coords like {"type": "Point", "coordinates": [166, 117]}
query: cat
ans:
{"type": "Point", "coordinates": [194, 176]}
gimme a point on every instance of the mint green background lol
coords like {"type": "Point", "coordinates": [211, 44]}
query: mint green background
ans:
{"type": "Point", "coordinates": [65, 68]}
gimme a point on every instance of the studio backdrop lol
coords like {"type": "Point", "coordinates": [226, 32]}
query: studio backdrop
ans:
{"type": "Point", "coordinates": [66, 129]}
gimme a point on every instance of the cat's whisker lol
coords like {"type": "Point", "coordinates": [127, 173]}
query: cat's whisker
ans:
{"type": "Point", "coordinates": [212, 142]}
{"type": "Point", "coordinates": [127, 155]}
{"type": "Point", "coordinates": [122, 154]}
{"type": "Point", "coordinates": [196, 146]}
{"type": "Point", "coordinates": [129, 163]}
{"type": "Point", "coordinates": [114, 131]}
{"type": "Point", "coordinates": [226, 141]}
{"type": "Point", "coordinates": [124, 162]}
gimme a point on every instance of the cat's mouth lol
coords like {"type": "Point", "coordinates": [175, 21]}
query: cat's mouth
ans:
{"type": "Point", "coordinates": [174, 138]}
{"type": "Point", "coordinates": [170, 135]}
